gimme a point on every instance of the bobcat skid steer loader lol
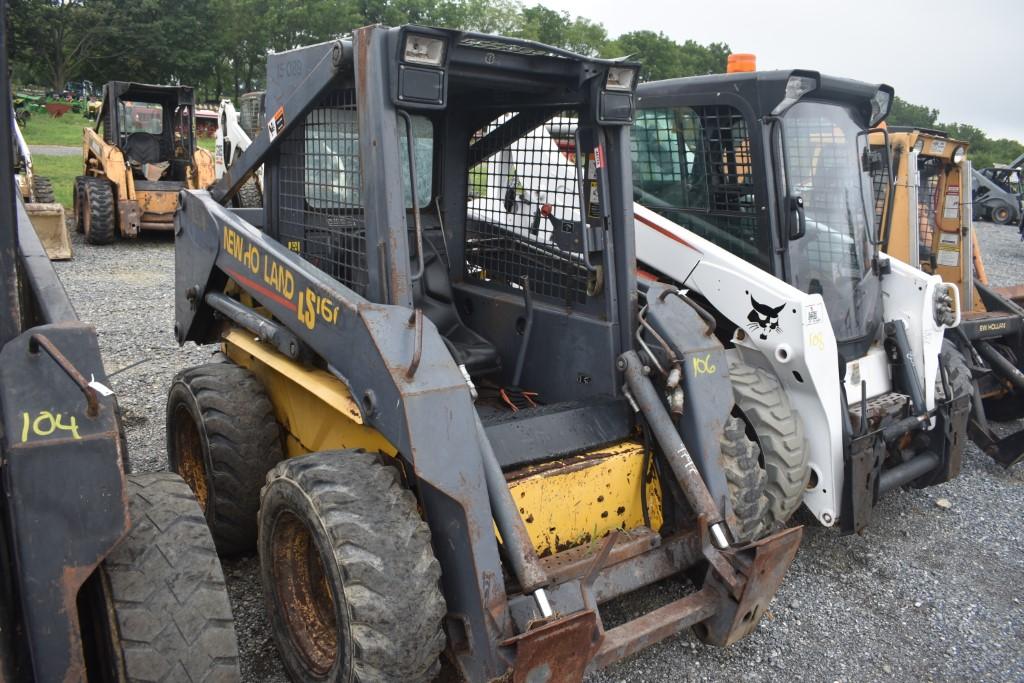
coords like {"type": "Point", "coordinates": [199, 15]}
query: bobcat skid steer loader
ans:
{"type": "Point", "coordinates": [759, 193]}
{"type": "Point", "coordinates": [232, 140]}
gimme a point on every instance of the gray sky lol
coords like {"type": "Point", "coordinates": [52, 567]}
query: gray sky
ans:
{"type": "Point", "coordinates": [961, 57]}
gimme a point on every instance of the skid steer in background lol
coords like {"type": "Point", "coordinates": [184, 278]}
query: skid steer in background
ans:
{"type": "Point", "coordinates": [472, 440]}
{"type": "Point", "coordinates": [932, 230]}
{"type": "Point", "coordinates": [46, 214]}
{"type": "Point", "coordinates": [757, 192]}
{"type": "Point", "coordinates": [998, 193]}
{"type": "Point", "coordinates": [105, 576]}
{"type": "Point", "coordinates": [140, 154]}
{"type": "Point", "coordinates": [232, 140]}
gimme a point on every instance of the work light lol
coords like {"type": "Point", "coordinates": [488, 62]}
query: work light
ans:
{"type": "Point", "coordinates": [959, 154]}
{"type": "Point", "coordinates": [621, 78]}
{"type": "Point", "coordinates": [880, 104]}
{"type": "Point", "coordinates": [423, 50]}
{"type": "Point", "coordinates": [919, 145]}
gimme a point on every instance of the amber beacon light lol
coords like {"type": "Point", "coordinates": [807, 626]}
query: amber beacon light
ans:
{"type": "Point", "coordinates": [740, 62]}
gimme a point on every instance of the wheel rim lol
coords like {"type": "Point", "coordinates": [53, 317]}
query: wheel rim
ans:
{"type": "Point", "coordinates": [189, 447]}
{"type": "Point", "coordinates": [303, 593]}
{"type": "Point", "coordinates": [1002, 214]}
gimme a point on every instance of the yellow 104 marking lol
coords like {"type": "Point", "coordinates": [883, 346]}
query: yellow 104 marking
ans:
{"type": "Point", "coordinates": [46, 423]}
{"type": "Point", "coordinates": [704, 366]}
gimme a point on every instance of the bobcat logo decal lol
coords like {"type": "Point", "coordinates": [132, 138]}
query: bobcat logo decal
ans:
{"type": "Point", "coordinates": [763, 319]}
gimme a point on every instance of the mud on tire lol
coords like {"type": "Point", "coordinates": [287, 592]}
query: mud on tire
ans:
{"type": "Point", "coordinates": [779, 433]}
{"type": "Point", "coordinates": [746, 481]}
{"type": "Point", "coordinates": [223, 438]}
{"type": "Point", "coordinates": [351, 581]}
{"type": "Point", "coordinates": [249, 195]}
{"type": "Point", "coordinates": [158, 602]}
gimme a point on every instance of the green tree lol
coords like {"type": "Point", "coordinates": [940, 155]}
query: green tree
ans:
{"type": "Point", "coordinates": [54, 39]}
{"type": "Point", "coordinates": [906, 114]}
{"type": "Point", "coordinates": [663, 57]}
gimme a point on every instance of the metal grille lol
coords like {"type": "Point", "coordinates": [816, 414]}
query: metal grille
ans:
{"type": "Point", "coordinates": [524, 219]}
{"type": "Point", "coordinates": [824, 169]}
{"type": "Point", "coordinates": [693, 165]}
{"type": "Point", "coordinates": [880, 192]}
{"type": "Point", "coordinates": [250, 113]}
{"type": "Point", "coordinates": [498, 46]}
{"type": "Point", "coordinates": [319, 209]}
{"type": "Point", "coordinates": [927, 204]}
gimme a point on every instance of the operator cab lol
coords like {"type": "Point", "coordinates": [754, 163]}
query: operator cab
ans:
{"type": "Point", "coordinates": [776, 168]}
{"type": "Point", "coordinates": [153, 126]}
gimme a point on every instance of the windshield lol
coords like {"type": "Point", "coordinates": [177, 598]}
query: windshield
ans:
{"type": "Point", "coordinates": [823, 148]}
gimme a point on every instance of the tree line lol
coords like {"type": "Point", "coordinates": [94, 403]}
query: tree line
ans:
{"type": "Point", "coordinates": [220, 46]}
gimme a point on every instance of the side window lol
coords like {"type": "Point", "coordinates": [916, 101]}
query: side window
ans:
{"type": "Point", "coordinates": [332, 159]}
{"type": "Point", "coordinates": [141, 117]}
{"type": "Point", "coordinates": [693, 166]}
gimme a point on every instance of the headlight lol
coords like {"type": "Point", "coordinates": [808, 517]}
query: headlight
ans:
{"type": "Point", "coordinates": [880, 104]}
{"type": "Point", "coordinates": [621, 78]}
{"type": "Point", "coordinates": [798, 86]}
{"type": "Point", "coordinates": [423, 50]}
{"type": "Point", "coordinates": [959, 154]}
{"type": "Point", "coordinates": [919, 145]}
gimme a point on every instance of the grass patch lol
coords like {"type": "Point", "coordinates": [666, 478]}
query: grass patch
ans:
{"type": "Point", "coordinates": [62, 172]}
{"type": "Point", "coordinates": [209, 144]}
{"type": "Point", "coordinates": [43, 129]}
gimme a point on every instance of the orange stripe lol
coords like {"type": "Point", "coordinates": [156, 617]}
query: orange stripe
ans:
{"type": "Point", "coordinates": [666, 233]}
{"type": "Point", "coordinates": [262, 290]}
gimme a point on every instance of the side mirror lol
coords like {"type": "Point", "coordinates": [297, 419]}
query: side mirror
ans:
{"type": "Point", "coordinates": [795, 206]}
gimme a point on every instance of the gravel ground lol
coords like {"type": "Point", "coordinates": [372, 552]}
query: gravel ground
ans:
{"type": "Point", "coordinates": [928, 593]}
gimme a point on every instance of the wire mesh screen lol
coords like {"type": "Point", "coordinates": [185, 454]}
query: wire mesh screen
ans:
{"type": "Point", "coordinates": [523, 220]}
{"type": "Point", "coordinates": [927, 204]}
{"type": "Point", "coordinates": [319, 206]}
{"type": "Point", "coordinates": [880, 193]}
{"type": "Point", "coordinates": [693, 165]}
{"type": "Point", "coordinates": [823, 167]}
{"type": "Point", "coordinates": [250, 113]}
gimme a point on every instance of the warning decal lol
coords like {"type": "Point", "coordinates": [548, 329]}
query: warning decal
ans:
{"type": "Point", "coordinates": [949, 249]}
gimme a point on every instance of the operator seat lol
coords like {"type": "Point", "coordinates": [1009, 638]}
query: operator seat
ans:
{"type": "Point", "coordinates": [141, 149]}
{"type": "Point", "coordinates": [432, 294]}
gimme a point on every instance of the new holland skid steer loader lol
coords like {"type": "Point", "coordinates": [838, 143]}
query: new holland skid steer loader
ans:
{"type": "Point", "coordinates": [757, 192]}
{"type": "Point", "coordinates": [466, 441]}
{"type": "Point", "coordinates": [932, 229]}
{"type": "Point", "coordinates": [141, 153]}
{"type": "Point", "coordinates": [104, 576]}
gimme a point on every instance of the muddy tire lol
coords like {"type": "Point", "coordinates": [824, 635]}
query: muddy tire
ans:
{"type": "Point", "coordinates": [746, 481]}
{"type": "Point", "coordinates": [42, 190]}
{"type": "Point", "coordinates": [779, 433]}
{"type": "Point", "coordinates": [223, 438]}
{"type": "Point", "coordinates": [249, 196]}
{"type": "Point", "coordinates": [960, 381]}
{"type": "Point", "coordinates": [99, 223]}
{"type": "Point", "coordinates": [351, 582]}
{"type": "Point", "coordinates": [158, 604]}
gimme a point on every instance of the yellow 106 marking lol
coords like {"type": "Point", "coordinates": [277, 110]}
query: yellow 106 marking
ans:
{"type": "Point", "coordinates": [704, 366]}
{"type": "Point", "coordinates": [817, 341]}
{"type": "Point", "coordinates": [46, 423]}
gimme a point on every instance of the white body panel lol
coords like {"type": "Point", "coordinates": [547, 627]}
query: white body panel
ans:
{"type": "Point", "coordinates": [802, 353]}
{"type": "Point", "coordinates": [239, 139]}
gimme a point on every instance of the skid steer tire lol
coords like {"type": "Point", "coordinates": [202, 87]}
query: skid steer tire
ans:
{"type": "Point", "coordinates": [42, 190]}
{"type": "Point", "coordinates": [779, 433]}
{"type": "Point", "coordinates": [249, 196]}
{"type": "Point", "coordinates": [960, 381]}
{"type": "Point", "coordinates": [1001, 214]}
{"type": "Point", "coordinates": [157, 606]}
{"type": "Point", "coordinates": [223, 438]}
{"type": "Point", "coordinates": [78, 202]}
{"type": "Point", "coordinates": [746, 481]}
{"type": "Point", "coordinates": [351, 582]}
{"type": "Point", "coordinates": [98, 212]}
